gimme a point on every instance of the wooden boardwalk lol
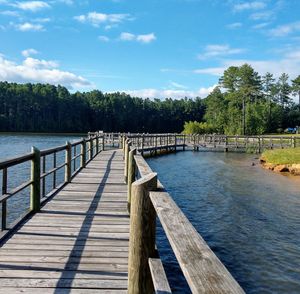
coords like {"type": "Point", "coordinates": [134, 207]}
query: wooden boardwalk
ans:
{"type": "Point", "coordinates": [78, 242]}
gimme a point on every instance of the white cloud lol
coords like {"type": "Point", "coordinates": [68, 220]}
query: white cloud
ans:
{"type": "Point", "coordinates": [146, 38]}
{"type": "Point", "coordinates": [27, 26]}
{"type": "Point", "coordinates": [285, 30]}
{"type": "Point", "coordinates": [261, 25]}
{"type": "Point", "coordinates": [288, 63]}
{"type": "Point", "coordinates": [264, 15]}
{"type": "Point", "coordinates": [234, 25]}
{"type": "Point", "coordinates": [10, 13]}
{"type": "Point", "coordinates": [254, 5]}
{"type": "Point", "coordinates": [39, 71]}
{"type": "Point", "coordinates": [177, 85]}
{"type": "Point", "coordinates": [29, 52]}
{"type": "Point", "coordinates": [30, 62]}
{"type": "Point", "coordinates": [96, 19]}
{"type": "Point", "coordinates": [103, 38]}
{"type": "Point", "coordinates": [175, 94]}
{"type": "Point", "coordinates": [31, 5]}
{"type": "Point", "coordinates": [127, 36]}
{"type": "Point", "coordinates": [216, 50]}
{"type": "Point", "coordinates": [214, 71]}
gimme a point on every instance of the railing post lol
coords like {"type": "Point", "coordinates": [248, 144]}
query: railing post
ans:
{"type": "Point", "coordinates": [175, 142]}
{"type": "Point", "coordinates": [35, 189]}
{"type": "Point", "coordinates": [83, 153]}
{"type": "Point", "coordinates": [68, 156]}
{"type": "Point", "coordinates": [226, 144]}
{"type": "Point", "coordinates": [103, 142]}
{"type": "Point", "coordinates": [184, 139]}
{"type": "Point", "coordinates": [97, 143]}
{"type": "Point", "coordinates": [4, 203]}
{"type": "Point", "coordinates": [130, 175]}
{"type": "Point", "coordinates": [142, 235]}
{"type": "Point", "coordinates": [294, 141]}
{"type": "Point", "coordinates": [91, 147]}
{"type": "Point", "coordinates": [127, 149]}
{"type": "Point", "coordinates": [155, 151]}
{"type": "Point", "coordinates": [143, 142]}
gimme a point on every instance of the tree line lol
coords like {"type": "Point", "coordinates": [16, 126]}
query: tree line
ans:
{"type": "Point", "coordinates": [243, 103]}
{"type": "Point", "coordinates": [48, 108]}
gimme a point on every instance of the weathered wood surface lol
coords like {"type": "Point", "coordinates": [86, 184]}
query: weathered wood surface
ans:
{"type": "Point", "coordinates": [202, 269]}
{"type": "Point", "coordinates": [78, 242]}
{"type": "Point", "coordinates": [159, 278]}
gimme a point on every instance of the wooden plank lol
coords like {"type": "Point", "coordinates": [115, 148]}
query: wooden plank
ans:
{"type": "Point", "coordinates": [202, 269]}
{"type": "Point", "coordinates": [38, 290]}
{"type": "Point", "coordinates": [159, 278]}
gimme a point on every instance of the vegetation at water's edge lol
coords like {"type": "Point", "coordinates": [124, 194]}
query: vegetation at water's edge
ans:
{"type": "Point", "coordinates": [250, 104]}
{"type": "Point", "coordinates": [282, 156]}
{"type": "Point", "coordinates": [243, 103]}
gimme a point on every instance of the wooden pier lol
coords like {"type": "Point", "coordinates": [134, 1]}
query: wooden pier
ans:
{"type": "Point", "coordinates": [95, 231]}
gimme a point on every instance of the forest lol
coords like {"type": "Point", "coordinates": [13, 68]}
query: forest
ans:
{"type": "Point", "coordinates": [243, 103]}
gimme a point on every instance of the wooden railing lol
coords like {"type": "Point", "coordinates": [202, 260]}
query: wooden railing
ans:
{"type": "Point", "coordinates": [44, 165]}
{"type": "Point", "coordinates": [147, 200]}
{"type": "Point", "coordinates": [255, 143]}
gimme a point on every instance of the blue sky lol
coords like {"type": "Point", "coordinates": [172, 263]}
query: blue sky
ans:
{"type": "Point", "coordinates": [169, 48]}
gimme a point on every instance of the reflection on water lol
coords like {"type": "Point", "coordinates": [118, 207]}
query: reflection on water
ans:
{"type": "Point", "coordinates": [249, 216]}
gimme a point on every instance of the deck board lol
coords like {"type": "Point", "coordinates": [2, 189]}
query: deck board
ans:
{"type": "Point", "coordinates": [78, 242]}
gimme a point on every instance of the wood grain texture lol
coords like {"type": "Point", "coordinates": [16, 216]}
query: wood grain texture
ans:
{"type": "Point", "coordinates": [159, 278]}
{"type": "Point", "coordinates": [202, 269]}
{"type": "Point", "coordinates": [78, 242]}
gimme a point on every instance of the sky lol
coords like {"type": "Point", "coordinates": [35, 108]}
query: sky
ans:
{"type": "Point", "coordinates": [153, 48]}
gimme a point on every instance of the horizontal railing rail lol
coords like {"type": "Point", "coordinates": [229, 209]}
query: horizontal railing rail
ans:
{"type": "Point", "coordinates": [147, 199]}
{"type": "Point", "coordinates": [49, 163]}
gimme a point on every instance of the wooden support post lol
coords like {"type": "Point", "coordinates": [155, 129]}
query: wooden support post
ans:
{"type": "Point", "coordinates": [123, 142]}
{"type": "Point", "coordinates": [127, 149]}
{"type": "Point", "coordinates": [4, 204]}
{"type": "Point", "coordinates": [83, 153]}
{"type": "Point", "coordinates": [54, 173]}
{"type": "Point", "coordinates": [184, 139]}
{"type": "Point", "coordinates": [97, 143]}
{"type": "Point", "coordinates": [103, 142]}
{"type": "Point", "coordinates": [143, 142]}
{"type": "Point", "coordinates": [142, 235]}
{"type": "Point", "coordinates": [43, 179]}
{"type": "Point", "coordinates": [259, 145]}
{"type": "Point", "coordinates": [294, 141]}
{"type": "Point", "coordinates": [35, 189]}
{"type": "Point", "coordinates": [68, 156]}
{"type": "Point", "coordinates": [175, 142]}
{"type": "Point", "coordinates": [226, 144]}
{"type": "Point", "coordinates": [91, 147]}
{"type": "Point", "coordinates": [130, 175]}
{"type": "Point", "coordinates": [155, 145]}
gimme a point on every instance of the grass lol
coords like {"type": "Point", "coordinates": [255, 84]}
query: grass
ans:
{"type": "Point", "coordinates": [282, 156]}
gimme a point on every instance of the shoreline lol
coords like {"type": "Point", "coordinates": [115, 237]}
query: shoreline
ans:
{"type": "Point", "coordinates": [293, 169]}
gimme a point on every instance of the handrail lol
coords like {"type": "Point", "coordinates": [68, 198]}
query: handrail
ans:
{"type": "Point", "coordinates": [37, 158]}
{"type": "Point", "coordinates": [202, 269]}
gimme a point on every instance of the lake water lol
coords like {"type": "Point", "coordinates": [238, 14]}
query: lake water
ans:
{"type": "Point", "coordinates": [249, 216]}
{"type": "Point", "coordinates": [12, 145]}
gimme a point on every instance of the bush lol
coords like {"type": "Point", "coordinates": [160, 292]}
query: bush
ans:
{"type": "Point", "coordinates": [194, 127]}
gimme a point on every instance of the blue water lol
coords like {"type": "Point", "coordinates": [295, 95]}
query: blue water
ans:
{"type": "Point", "coordinates": [249, 216]}
{"type": "Point", "coordinates": [12, 145]}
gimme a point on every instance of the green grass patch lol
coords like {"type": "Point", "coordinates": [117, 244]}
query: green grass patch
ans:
{"type": "Point", "coordinates": [282, 156]}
